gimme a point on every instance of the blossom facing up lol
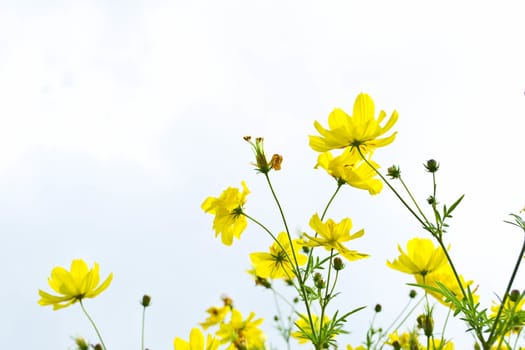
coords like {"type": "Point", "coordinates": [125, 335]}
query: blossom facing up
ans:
{"type": "Point", "coordinates": [228, 208]}
{"type": "Point", "coordinates": [421, 258]}
{"type": "Point", "coordinates": [304, 332]}
{"type": "Point", "coordinates": [350, 168]}
{"type": "Point", "coordinates": [196, 342]}
{"type": "Point", "coordinates": [242, 334]}
{"type": "Point", "coordinates": [278, 263]}
{"type": "Point", "coordinates": [74, 285]}
{"type": "Point", "coordinates": [361, 129]}
{"type": "Point", "coordinates": [332, 235]}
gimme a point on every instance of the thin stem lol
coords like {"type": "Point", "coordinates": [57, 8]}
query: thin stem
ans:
{"type": "Point", "coordinates": [387, 331]}
{"type": "Point", "coordinates": [506, 295]}
{"type": "Point", "coordinates": [143, 323]}
{"type": "Point", "coordinates": [339, 185]}
{"type": "Point", "coordinates": [285, 332]}
{"type": "Point", "coordinates": [413, 199]}
{"type": "Point", "coordinates": [296, 264]}
{"type": "Point", "coordinates": [93, 324]}
{"type": "Point", "coordinates": [324, 301]}
{"type": "Point", "coordinates": [392, 188]}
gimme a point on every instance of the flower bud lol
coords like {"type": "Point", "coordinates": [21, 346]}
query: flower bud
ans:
{"type": "Point", "coordinates": [431, 166]}
{"type": "Point", "coordinates": [260, 281]}
{"type": "Point", "coordinates": [275, 162]}
{"type": "Point", "coordinates": [514, 295]}
{"type": "Point", "coordinates": [338, 264]}
{"type": "Point", "coordinates": [81, 343]}
{"type": "Point", "coordinates": [98, 347]}
{"type": "Point", "coordinates": [412, 294]}
{"type": "Point", "coordinates": [426, 322]}
{"type": "Point", "coordinates": [261, 163]}
{"type": "Point", "coordinates": [394, 172]}
{"type": "Point", "coordinates": [378, 308]}
{"type": "Point", "coordinates": [146, 300]}
{"type": "Point", "coordinates": [318, 281]}
{"type": "Point", "coordinates": [227, 301]}
{"type": "Point", "coordinates": [431, 200]}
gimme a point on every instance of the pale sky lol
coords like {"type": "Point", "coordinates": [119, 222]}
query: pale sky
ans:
{"type": "Point", "coordinates": [118, 118]}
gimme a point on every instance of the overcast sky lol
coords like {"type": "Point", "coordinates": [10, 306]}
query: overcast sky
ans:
{"type": "Point", "coordinates": [117, 119]}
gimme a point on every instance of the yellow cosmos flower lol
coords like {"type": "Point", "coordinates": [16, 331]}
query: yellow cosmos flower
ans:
{"type": "Point", "coordinates": [228, 221]}
{"type": "Point", "coordinates": [359, 130]}
{"type": "Point", "coordinates": [404, 341]}
{"type": "Point", "coordinates": [242, 334]}
{"type": "Point", "coordinates": [350, 168]}
{"type": "Point", "coordinates": [421, 258]}
{"type": "Point", "coordinates": [446, 277]}
{"type": "Point", "coordinates": [511, 310]}
{"type": "Point", "coordinates": [278, 263]}
{"type": "Point", "coordinates": [196, 342]}
{"type": "Point", "coordinates": [331, 235]}
{"type": "Point", "coordinates": [72, 286]}
{"type": "Point", "coordinates": [304, 328]}
{"type": "Point", "coordinates": [350, 347]}
{"type": "Point", "coordinates": [216, 316]}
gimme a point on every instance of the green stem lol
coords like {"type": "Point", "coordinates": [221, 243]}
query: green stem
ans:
{"type": "Point", "coordinates": [413, 199]}
{"type": "Point", "coordinates": [392, 188]}
{"type": "Point", "coordinates": [506, 295]}
{"type": "Point", "coordinates": [143, 323]}
{"type": "Point", "coordinates": [324, 301]}
{"type": "Point", "coordinates": [339, 185]}
{"type": "Point", "coordinates": [388, 329]}
{"type": "Point", "coordinates": [296, 264]}
{"type": "Point", "coordinates": [93, 324]}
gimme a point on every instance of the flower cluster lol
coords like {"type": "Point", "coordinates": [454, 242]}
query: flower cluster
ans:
{"type": "Point", "coordinates": [232, 330]}
{"type": "Point", "coordinates": [309, 263]}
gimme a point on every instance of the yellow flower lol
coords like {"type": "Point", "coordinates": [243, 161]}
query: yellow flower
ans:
{"type": "Point", "coordinates": [421, 258]}
{"type": "Point", "coordinates": [511, 311]}
{"type": "Point", "coordinates": [243, 334]}
{"type": "Point", "coordinates": [279, 262]}
{"type": "Point", "coordinates": [350, 347]}
{"type": "Point", "coordinates": [404, 341]}
{"type": "Point", "coordinates": [446, 277]}
{"type": "Point", "coordinates": [196, 342]}
{"type": "Point", "coordinates": [74, 285]}
{"type": "Point", "coordinates": [350, 168]}
{"type": "Point", "coordinates": [438, 344]}
{"type": "Point", "coordinates": [359, 130]}
{"type": "Point", "coordinates": [228, 221]}
{"type": "Point", "coordinates": [332, 235]}
{"type": "Point", "coordinates": [216, 316]}
{"type": "Point", "coordinates": [304, 328]}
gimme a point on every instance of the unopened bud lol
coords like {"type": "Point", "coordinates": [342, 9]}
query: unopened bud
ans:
{"type": "Point", "coordinates": [338, 264]}
{"type": "Point", "coordinates": [146, 300]}
{"type": "Point", "coordinates": [98, 347]}
{"type": "Point", "coordinates": [81, 343]}
{"type": "Point", "coordinates": [426, 323]}
{"type": "Point", "coordinates": [378, 308]}
{"type": "Point", "coordinates": [318, 281]}
{"type": "Point", "coordinates": [394, 172]}
{"type": "Point", "coordinates": [431, 200]}
{"type": "Point", "coordinates": [431, 166]}
{"type": "Point", "coordinates": [514, 295]}
{"type": "Point", "coordinates": [412, 294]}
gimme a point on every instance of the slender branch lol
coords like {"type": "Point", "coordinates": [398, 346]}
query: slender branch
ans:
{"type": "Point", "coordinates": [93, 324]}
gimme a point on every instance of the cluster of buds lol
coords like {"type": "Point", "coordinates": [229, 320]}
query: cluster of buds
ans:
{"type": "Point", "coordinates": [261, 163]}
